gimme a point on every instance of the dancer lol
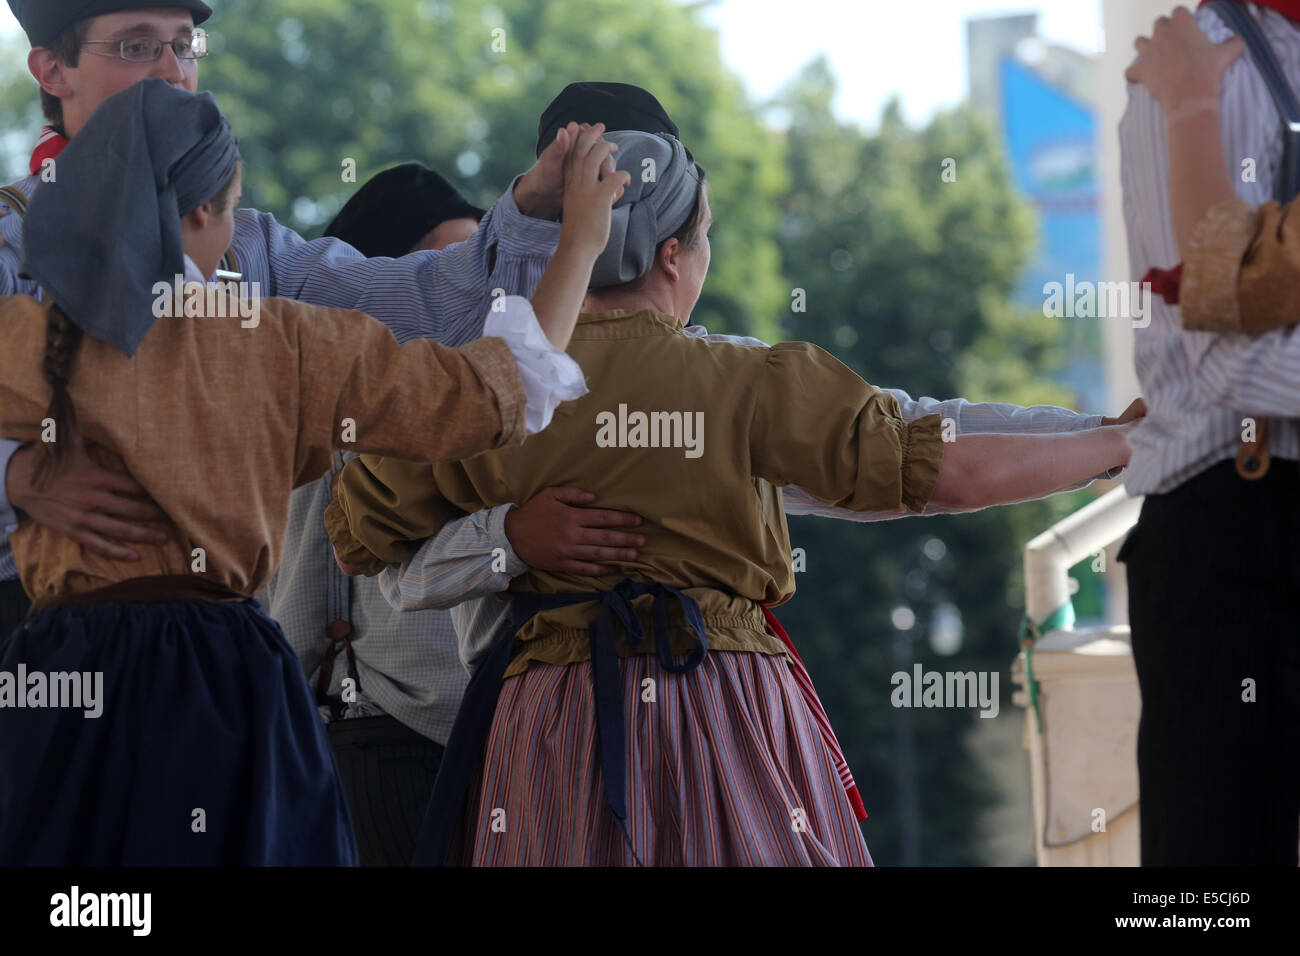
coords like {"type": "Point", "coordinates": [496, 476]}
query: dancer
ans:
{"type": "Point", "coordinates": [84, 51]}
{"type": "Point", "coordinates": [721, 762]}
{"type": "Point", "coordinates": [1212, 562]}
{"type": "Point", "coordinates": [206, 747]}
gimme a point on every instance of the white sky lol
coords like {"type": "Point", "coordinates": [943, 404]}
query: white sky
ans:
{"type": "Point", "coordinates": [876, 47]}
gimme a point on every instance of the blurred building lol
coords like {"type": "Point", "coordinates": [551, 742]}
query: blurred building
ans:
{"type": "Point", "coordinates": [1041, 97]}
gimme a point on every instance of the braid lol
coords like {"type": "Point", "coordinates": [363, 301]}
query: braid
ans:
{"type": "Point", "coordinates": [62, 343]}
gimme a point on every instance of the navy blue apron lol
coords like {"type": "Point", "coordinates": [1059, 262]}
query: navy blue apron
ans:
{"type": "Point", "coordinates": [469, 734]}
{"type": "Point", "coordinates": [204, 749]}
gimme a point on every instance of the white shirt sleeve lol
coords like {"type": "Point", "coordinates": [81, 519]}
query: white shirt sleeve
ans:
{"type": "Point", "coordinates": [549, 375]}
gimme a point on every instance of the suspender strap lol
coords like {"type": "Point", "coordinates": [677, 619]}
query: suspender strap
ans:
{"type": "Point", "coordinates": [14, 198]}
{"type": "Point", "coordinates": [1253, 457]}
{"type": "Point", "coordinates": [1236, 18]}
{"type": "Point", "coordinates": [469, 735]}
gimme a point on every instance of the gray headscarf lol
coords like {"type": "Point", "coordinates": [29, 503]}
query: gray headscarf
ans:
{"type": "Point", "coordinates": [650, 209]}
{"type": "Point", "coordinates": [108, 227]}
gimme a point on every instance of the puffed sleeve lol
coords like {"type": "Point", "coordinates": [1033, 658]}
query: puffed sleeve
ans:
{"type": "Point", "coordinates": [818, 425]}
{"type": "Point", "coordinates": [1242, 271]}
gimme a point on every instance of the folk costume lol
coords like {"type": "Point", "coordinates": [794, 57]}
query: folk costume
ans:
{"type": "Point", "coordinates": [437, 295]}
{"type": "Point", "coordinates": [387, 683]}
{"type": "Point", "coordinates": [1212, 561]}
{"type": "Point", "coordinates": [707, 752]}
{"type": "Point", "coordinates": [209, 749]}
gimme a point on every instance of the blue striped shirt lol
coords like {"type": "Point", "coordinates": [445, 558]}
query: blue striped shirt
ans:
{"type": "Point", "coordinates": [1198, 386]}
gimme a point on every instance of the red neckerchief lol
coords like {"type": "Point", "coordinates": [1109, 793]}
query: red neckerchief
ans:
{"type": "Point", "coordinates": [1165, 282]}
{"type": "Point", "coordinates": [48, 146]}
{"type": "Point", "coordinates": [1288, 8]}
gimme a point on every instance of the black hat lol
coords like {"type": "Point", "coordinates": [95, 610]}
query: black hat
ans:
{"type": "Point", "coordinates": [44, 20]}
{"type": "Point", "coordinates": [620, 106]}
{"type": "Point", "coordinates": [396, 208]}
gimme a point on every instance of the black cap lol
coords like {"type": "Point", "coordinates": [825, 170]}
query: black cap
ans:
{"type": "Point", "coordinates": [396, 208]}
{"type": "Point", "coordinates": [620, 106]}
{"type": "Point", "coordinates": [44, 20]}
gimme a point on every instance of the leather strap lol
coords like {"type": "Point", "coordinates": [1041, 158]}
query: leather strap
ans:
{"type": "Point", "coordinates": [1253, 458]}
{"type": "Point", "coordinates": [15, 199]}
{"type": "Point", "coordinates": [148, 590]}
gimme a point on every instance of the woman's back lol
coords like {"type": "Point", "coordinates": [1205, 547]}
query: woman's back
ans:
{"type": "Point", "coordinates": [220, 422]}
{"type": "Point", "coordinates": [679, 430]}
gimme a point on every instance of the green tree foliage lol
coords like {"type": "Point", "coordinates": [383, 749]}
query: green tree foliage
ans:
{"type": "Point", "coordinates": [460, 86]}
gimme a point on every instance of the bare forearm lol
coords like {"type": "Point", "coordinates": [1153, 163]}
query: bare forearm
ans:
{"type": "Point", "coordinates": [1198, 171]}
{"type": "Point", "coordinates": [563, 286]}
{"type": "Point", "coordinates": [983, 470]}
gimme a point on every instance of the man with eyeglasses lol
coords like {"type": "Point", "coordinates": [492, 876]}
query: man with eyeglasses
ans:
{"type": "Point", "coordinates": [83, 52]}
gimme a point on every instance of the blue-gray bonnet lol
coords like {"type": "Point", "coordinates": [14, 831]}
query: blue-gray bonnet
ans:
{"type": "Point", "coordinates": [658, 201]}
{"type": "Point", "coordinates": [107, 228]}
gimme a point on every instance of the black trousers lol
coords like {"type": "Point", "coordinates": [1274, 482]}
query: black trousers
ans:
{"type": "Point", "coordinates": [387, 771]}
{"type": "Point", "coordinates": [14, 605]}
{"type": "Point", "coordinates": [1213, 576]}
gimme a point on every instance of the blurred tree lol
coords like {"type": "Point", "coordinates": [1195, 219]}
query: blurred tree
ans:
{"type": "Point", "coordinates": [908, 279]}
{"type": "Point", "coordinates": [309, 84]}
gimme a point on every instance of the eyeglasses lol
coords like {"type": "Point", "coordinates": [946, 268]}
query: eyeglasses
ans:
{"type": "Point", "coordinates": [148, 49]}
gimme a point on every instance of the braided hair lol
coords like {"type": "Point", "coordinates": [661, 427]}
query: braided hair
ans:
{"type": "Point", "coordinates": [62, 344]}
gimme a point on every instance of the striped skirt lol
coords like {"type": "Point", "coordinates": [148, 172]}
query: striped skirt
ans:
{"type": "Point", "coordinates": [725, 767]}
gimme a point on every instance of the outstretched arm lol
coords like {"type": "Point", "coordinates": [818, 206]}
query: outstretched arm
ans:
{"type": "Point", "coordinates": [969, 418]}
{"type": "Point", "coordinates": [819, 426]}
{"type": "Point", "coordinates": [982, 470]}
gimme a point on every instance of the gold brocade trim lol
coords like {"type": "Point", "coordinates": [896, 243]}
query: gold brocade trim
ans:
{"type": "Point", "coordinates": [1208, 294]}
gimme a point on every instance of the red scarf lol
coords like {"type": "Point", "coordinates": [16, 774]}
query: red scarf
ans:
{"type": "Point", "coordinates": [48, 146]}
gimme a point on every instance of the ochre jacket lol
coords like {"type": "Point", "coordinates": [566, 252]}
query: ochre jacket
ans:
{"type": "Point", "coordinates": [219, 423]}
{"type": "Point", "coordinates": [714, 526]}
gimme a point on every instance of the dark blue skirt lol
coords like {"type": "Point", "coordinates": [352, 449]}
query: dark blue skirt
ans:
{"type": "Point", "coordinates": [209, 750]}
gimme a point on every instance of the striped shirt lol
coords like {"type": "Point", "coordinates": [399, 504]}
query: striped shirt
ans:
{"type": "Point", "coordinates": [437, 295]}
{"type": "Point", "coordinates": [407, 663]}
{"type": "Point", "coordinates": [1198, 386]}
